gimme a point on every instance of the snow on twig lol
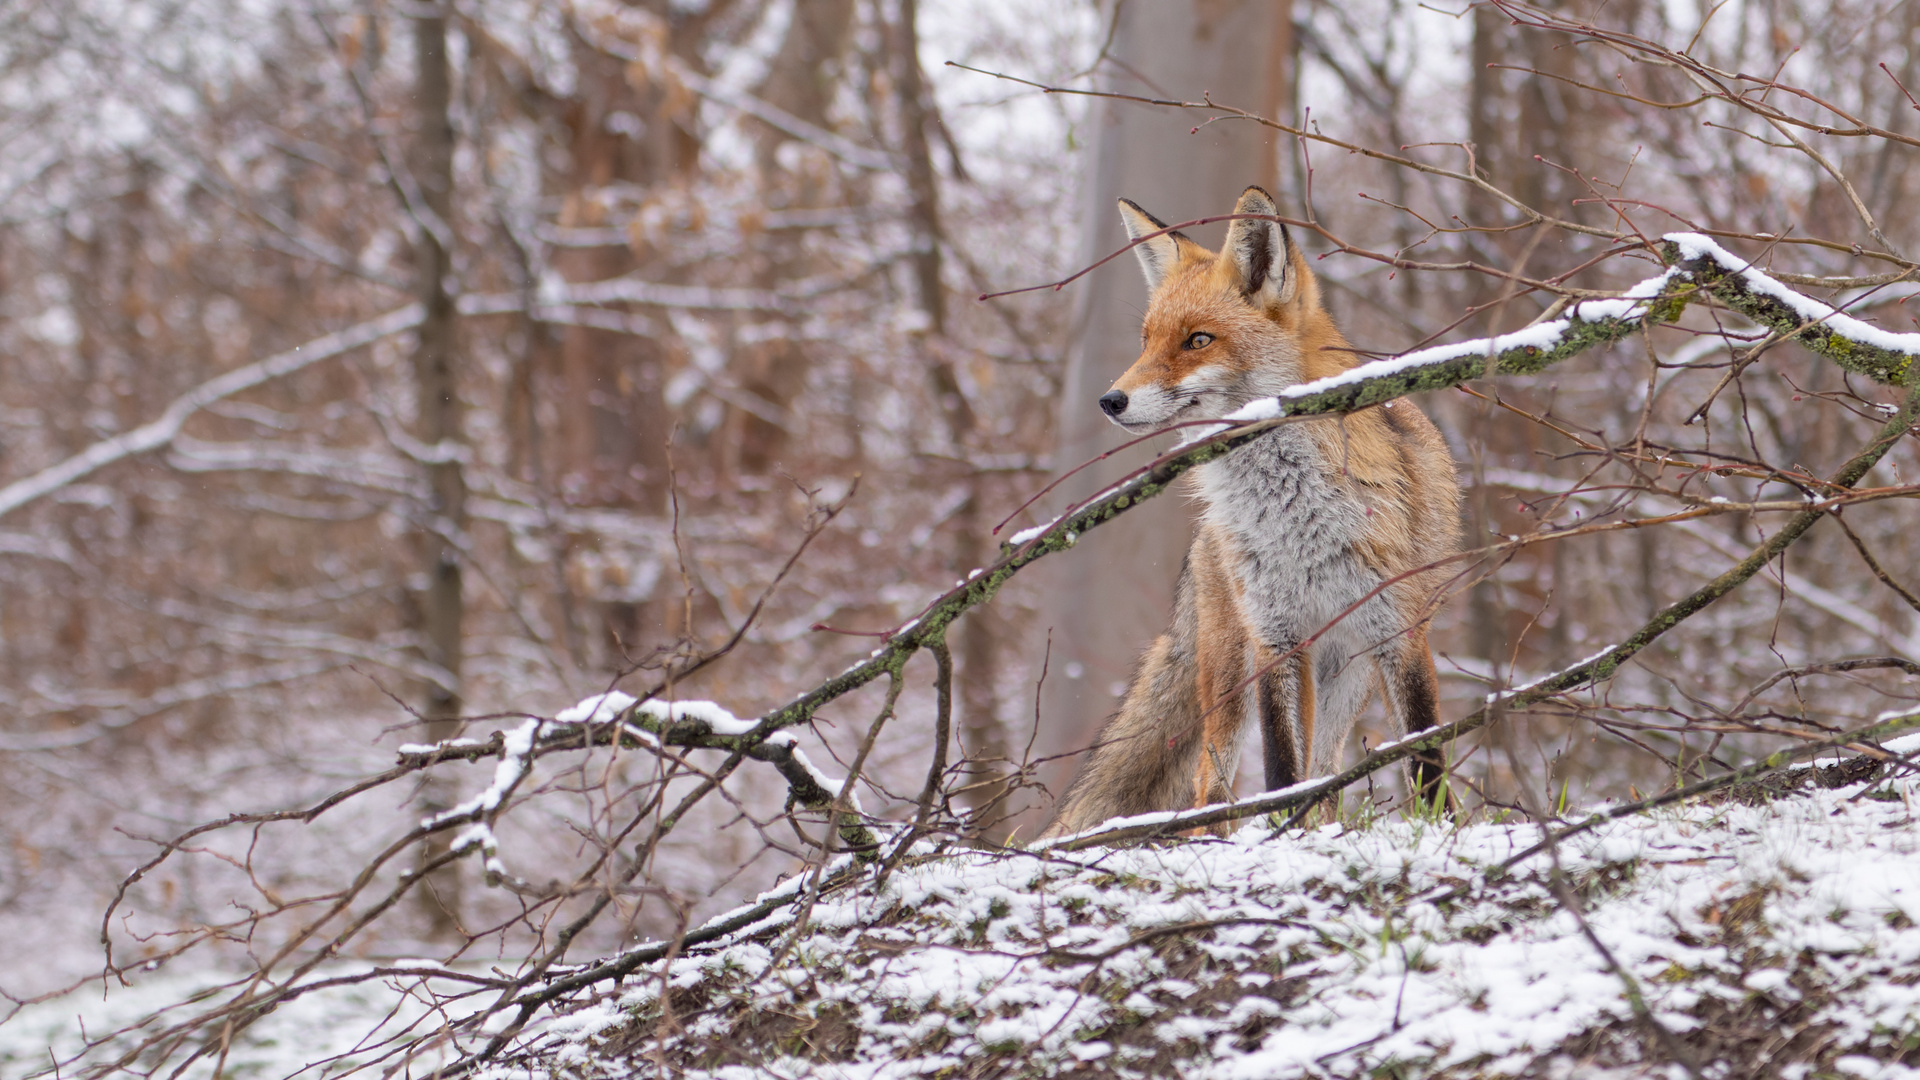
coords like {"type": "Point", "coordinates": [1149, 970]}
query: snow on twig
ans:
{"type": "Point", "coordinates": [617, 716]}
{"type": "Point", "coordinates": [516, 754]}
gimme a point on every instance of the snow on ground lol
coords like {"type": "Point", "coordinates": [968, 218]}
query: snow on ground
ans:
{"type": "Point", "coordinates": [1780, 938]}
{"type": "Point", "coordinates": [315, 1035]}
{"type": "Point", "coordinates": [1761, 935]}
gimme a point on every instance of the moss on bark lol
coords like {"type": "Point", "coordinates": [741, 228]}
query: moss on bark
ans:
{"type": "Point", "coordinates": [1880, 364]}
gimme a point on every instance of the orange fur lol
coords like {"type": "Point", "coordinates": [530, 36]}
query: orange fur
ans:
{"type": "Point", "coordinates": [1351, 503]}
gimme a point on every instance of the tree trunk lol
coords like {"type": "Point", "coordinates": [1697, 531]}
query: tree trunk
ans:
{"type": "Point", "coordinates": [982, 736]}
{"type": "Point", "coordinates": [1108, 600]}
{"type": "Point", "coordinates": [610, 447]}
{"type": "Point", "coordinates": [1488, 102]}
{"type": "Point", "coordinates": [442, 606]}
{"type": "Point", "coordinates": [804, 77]}
{"type": "Point", "coordinates": [1511, 119]}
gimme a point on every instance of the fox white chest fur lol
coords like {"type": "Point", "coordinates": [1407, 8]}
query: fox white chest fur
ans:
{"type": "Point", "coordinates": [1293, 534]}
{"type": "Point", "coordinates": [1294, 548]}
{"type": "Point", "coordinates": [1311, 577]}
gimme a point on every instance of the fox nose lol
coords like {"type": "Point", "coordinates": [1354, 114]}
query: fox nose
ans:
{"type": "Point", "coordinates": [1113, 402]}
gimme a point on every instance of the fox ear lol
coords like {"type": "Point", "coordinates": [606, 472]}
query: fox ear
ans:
{"type": "Point", "coordinates": [1261, 251]}
{"type": "Point", "coordinates": [1158, 255]}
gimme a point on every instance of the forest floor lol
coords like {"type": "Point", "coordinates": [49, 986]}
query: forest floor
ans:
{"type": "Point", "coordinates": [1775, 932]}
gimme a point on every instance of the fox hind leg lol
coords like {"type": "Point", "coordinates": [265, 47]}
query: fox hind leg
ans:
{"type": "Point", "coordinates": [1413, 696]}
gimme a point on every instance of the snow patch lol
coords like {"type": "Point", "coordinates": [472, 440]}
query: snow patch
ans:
{"type": "Point", "coordinates": [450, 744]}
{"type": "Point", "coordinates": [1025, 535]}
{"type": "Point", "coordinates": [1695, 246]}
{"type": "Point", "coordinates": [1322, 944]}
{"type": "Point", "coordinates": [718, 719]}
{"type": "Point", "coordinates": [596, 709]}
{"type": "Point", "coordinates": [516, 748]}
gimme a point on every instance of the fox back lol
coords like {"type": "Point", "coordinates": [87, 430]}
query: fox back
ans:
{"type": "Point", "coordinates": [1312, 572]}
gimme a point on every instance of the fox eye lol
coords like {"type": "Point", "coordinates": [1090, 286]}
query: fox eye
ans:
{"type": "Point", "coordinates": [1198, 340]}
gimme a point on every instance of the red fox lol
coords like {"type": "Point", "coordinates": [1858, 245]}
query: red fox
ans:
{"type": "Point", "coordinates": [1297, 527]}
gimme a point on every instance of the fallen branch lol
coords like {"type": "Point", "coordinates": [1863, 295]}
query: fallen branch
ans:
{"type": "Point", "coordinates": [627, 962]}
{"type": "Point", "coordinates": [696, 725]}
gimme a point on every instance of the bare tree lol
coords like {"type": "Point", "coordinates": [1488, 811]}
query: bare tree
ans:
{"type": "Point", "coordinates": [728, 432]}
{"type": "Point", "coordinates": [425, 186]}
{"type": "Point", "coordinates": [1106, 605]}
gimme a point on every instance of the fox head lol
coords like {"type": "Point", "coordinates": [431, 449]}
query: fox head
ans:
{"type": "Point", "coordinates": [1222, 328]}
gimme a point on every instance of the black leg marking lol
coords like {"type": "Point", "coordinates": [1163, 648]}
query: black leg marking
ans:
{"type": "Point", "coordinates": [1420, 709]}
{"type": "Point", "coordinates": [1276, 734]}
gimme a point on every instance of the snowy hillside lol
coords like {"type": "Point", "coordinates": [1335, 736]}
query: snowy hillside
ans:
{"type": "Point", "coordinates": [1770, 934]}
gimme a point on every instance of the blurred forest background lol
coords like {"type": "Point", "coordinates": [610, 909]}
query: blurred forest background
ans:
{"type": "Point", "coordinates": [547, 327]}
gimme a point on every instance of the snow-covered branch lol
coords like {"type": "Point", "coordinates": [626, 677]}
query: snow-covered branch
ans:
{"type": "Point", "coordinates": [1300, 799]}
{"type": "Point", "coordinates": [1589, 323]}
{"type": "Point", "coordinates": [159, 432]}
{"type": "Point", "coordinates": [615, 718]}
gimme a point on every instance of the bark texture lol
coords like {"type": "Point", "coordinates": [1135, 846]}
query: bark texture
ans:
{"type": "Point", "coordinates": [1105, 605]}
{"type": "Point", "coordinates": [982, 735]}
{"type": "Point", "coordinates": [437, 425]}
